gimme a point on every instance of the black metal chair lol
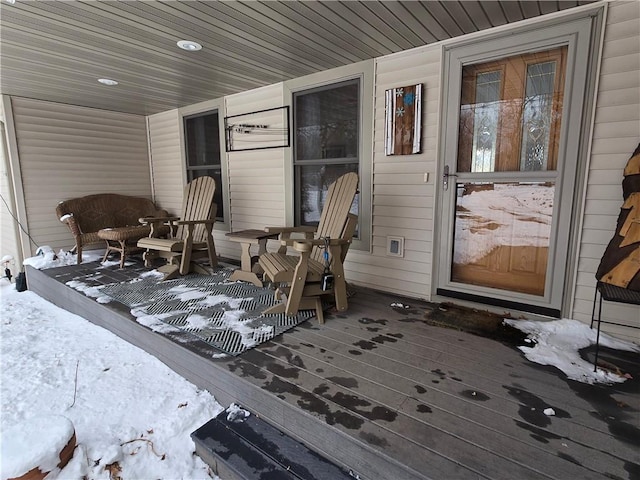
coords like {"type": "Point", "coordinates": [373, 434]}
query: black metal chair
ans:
{"type": "Point", "coordinates": [611, 293]}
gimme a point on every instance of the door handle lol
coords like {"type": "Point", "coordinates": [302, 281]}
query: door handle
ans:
{"type": "Point", "coordinates": [445, 177]}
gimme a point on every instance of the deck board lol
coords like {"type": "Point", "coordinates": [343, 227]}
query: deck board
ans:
{"type": "Point", "coordinates": [382, 392]}
{"type": "Point", "coordinates": [439, 368]}
{"type": "Point", "coordinates": [433, 425]}
{"type": "Point", "coordinates": [411, 397]}
{"type": "Point", "coordinates": [457, 413]}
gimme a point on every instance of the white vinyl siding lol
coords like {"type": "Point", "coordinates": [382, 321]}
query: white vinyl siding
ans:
{"type": "Point", "coordinates": [9, 240]}
{"type": "Point", "coordinates": [402, 200]}
{"type": "Point", "coordinates": [67, 151]}
{"type": "Point", "coordinates": [256, 194]}
{"type": "Point", "coordinates": [167, 167]}
{"type": "Point", "coordinates": [615, 137]}
{"type": "Point", "coordinates": [256, 177]}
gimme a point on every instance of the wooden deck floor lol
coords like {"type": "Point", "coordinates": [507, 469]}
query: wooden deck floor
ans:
{"type": "Point", "coordinates": [388, 396]}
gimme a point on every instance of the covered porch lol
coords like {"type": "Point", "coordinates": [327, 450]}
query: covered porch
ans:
{"type": "Point", "coordinates": [386, 394]}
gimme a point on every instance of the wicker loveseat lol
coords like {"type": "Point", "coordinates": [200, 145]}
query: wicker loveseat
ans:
{"type": "Point", "coordinates": [116, 215]}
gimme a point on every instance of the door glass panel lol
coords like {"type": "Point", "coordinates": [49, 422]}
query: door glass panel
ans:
{"type": "Point", "coordinates": [538, 113]}
{"type": "Point", "coordinates": [510, 113]}
{"type": "Point", "coordinates": [502, 235]}
{"type": "Point", "coordinates": [486, 115]}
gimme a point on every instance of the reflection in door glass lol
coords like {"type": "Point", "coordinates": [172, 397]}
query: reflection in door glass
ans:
{"type": "Point", "coordinates": [502, 233]}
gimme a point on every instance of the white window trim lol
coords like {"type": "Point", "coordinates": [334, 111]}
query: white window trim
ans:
{"type": "Point", "coordinates": [204, 107]}
{"type": "Point", "coordinates": [365, 72]}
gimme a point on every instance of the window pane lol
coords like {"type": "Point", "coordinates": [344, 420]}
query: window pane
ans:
{"type": "Point", "coordinates": [314, 181]}
{"type": "Point", "coordinates": [502, 233]}
{"type": "Point", "coordinates": [327, 129]}
{"type": "Point", "coordinates": [202, 147]}
{"type": "Point", "coordinates": [326, 123]}
{"type": "Point", "coordinates": [217, 196]}
{"type": "Point", "coordinates": [202, 140]}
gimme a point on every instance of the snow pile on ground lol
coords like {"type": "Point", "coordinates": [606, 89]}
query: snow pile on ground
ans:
{"type": "Point", "coordinates": [558, 343]}
{"type": "Point", "coordinates": [47, 258]}
{"type": "Point", "coordinates": [133, 416]}
{"type": "Point", "coordinates": [37, 441]}
{"type": "Point", "coordinates": [235, 413]}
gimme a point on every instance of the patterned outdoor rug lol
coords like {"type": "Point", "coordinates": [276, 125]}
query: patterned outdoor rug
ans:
{"type": "Point", "coordinates": [227, 315]}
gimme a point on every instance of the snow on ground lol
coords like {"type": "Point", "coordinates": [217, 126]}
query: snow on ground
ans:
{"type": "Point", "coordinates": [558, 343]}
{"type": "Point", "coordinates": [129, 410]}
{"type": "Point", "coordinates": [37, 441]}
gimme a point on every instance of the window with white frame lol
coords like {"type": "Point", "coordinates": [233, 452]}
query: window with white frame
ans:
{"type": "Point", "coordinates": [326, 144]}
{"type": "Point", "coordinates": [202, 150]}
{"type": "Point", "coordinates": [332, 134]}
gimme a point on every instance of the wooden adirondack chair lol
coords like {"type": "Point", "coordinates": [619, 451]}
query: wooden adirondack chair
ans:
{"type": "Point", "coordinates": [301, 277]}
{"type": "Point", "coordinates": [191, 233]}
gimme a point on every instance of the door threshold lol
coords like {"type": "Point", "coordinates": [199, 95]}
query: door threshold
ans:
{"type": "Point", "coordinates": [498, 302]}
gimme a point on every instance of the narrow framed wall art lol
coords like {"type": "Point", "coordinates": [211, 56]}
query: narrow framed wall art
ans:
{"type": "Point", "coordinates": [403, 120]}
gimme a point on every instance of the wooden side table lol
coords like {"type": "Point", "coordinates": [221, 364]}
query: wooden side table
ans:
{"type": "Point", "coordinates": [249, 268]}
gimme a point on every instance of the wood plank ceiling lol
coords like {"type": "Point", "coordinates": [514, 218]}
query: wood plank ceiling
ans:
{"type": "Point", "coordinates": [56, 50]}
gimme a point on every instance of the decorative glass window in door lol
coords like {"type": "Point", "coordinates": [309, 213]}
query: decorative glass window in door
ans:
{"type": "Point", "coordinates": [510, 113]}
{"type": "Point", "coordinates": [538, 116]}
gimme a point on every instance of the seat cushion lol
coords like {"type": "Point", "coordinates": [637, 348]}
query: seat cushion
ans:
{"type": "Point", "coordinates": [161, 244]}
{"type": "Point", "coordinates": [123, 234]}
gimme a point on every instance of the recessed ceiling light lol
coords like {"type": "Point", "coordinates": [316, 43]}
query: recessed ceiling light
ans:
{"type": "Point", "coordinates": [189, 45]}
{"type": "Point", "coordinates": [10, 2]}
{"type": "Point", "coordinates": [107, 81]}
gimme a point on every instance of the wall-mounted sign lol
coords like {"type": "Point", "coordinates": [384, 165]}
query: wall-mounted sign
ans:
{"type": "Point", "coordinates": [403, 119]}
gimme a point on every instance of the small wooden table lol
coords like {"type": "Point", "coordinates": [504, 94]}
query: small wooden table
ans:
{"type": "Point", "coordinates": [249, 268]}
